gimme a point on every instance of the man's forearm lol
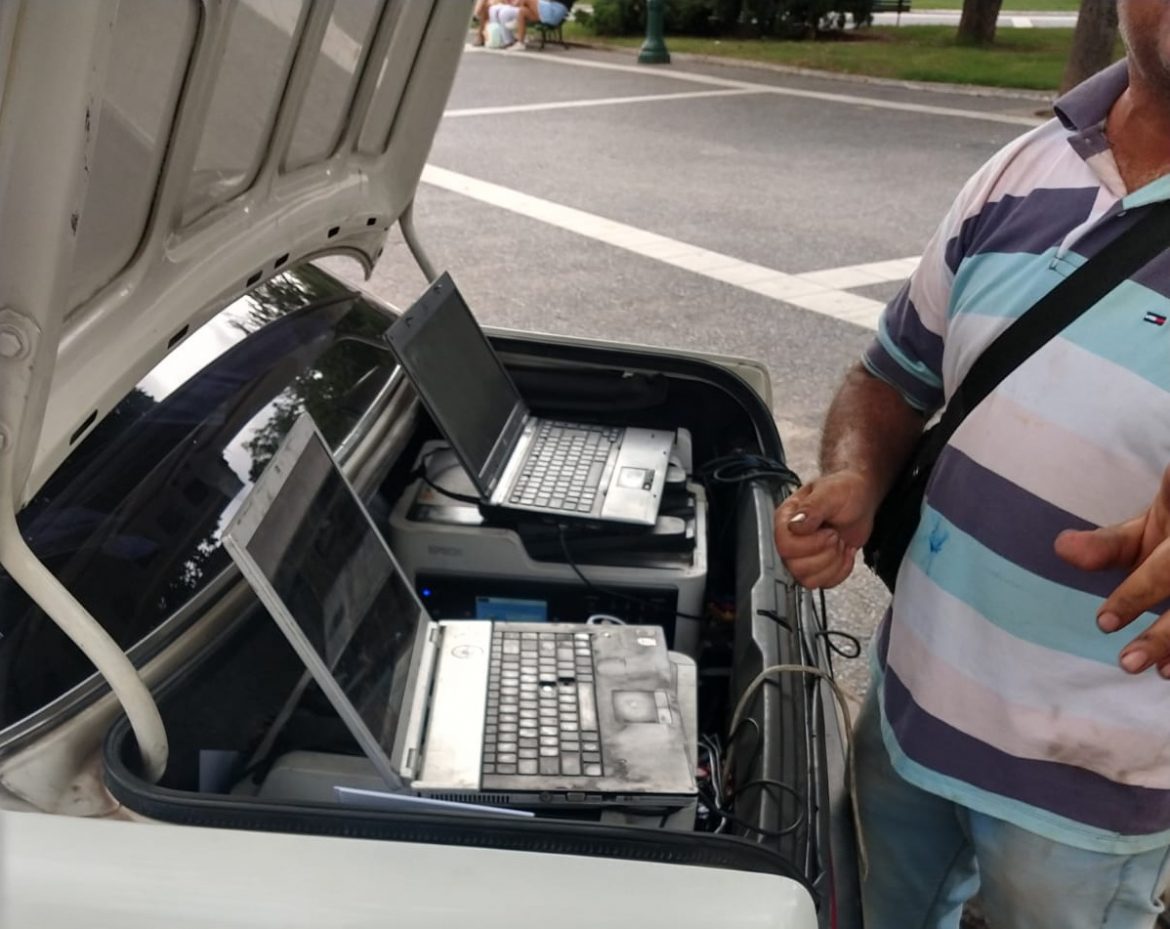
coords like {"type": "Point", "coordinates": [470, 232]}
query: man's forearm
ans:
{"type": "Point", "coordinates": [871, 430]}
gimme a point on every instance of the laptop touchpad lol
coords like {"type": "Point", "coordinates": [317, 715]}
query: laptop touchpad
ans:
{"type": "Point", "coordinates": [640, 706]}
{"type": "Point", "coordinates": [636, 478]}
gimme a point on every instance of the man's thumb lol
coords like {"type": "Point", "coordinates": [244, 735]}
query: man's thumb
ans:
{"type": "Point", "coordinates": [813, 506]}
{"type": "Point", "coordinates": [1098, 549]}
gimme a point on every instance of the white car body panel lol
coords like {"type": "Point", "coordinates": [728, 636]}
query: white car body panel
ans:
{"type": "Point", "coordinates": [89, 356]}
{"type": "Point", "coordinates": [65, 872]}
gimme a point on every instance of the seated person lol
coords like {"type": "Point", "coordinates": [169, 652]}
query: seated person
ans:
{"type": "Point", "coordinates": [549, 12]}
{"type": "Point", "coordinates": [503, 15]}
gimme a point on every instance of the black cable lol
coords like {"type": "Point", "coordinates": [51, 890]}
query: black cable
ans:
{"type": "Point", "coordinates": [757, 745]}
{"type": "Point", "coordinates": [854, 643]}
{"type": "Point", "coordinates": [629, 598]}
{"type": "Point", "coordinates": [743, 467]}
{"type": "Point", "coordinates": [854, 649]}
{"type": "Point", "coordinates": [462, 498]}
{"type": "Point", "coordinates": [764, 782]}
{"type": "Point", "coordinates": [421, 472]}
{"type": "Point", "coordinates": [776, 618]}
{"type": "Point", "coordinates": [849, 653]}
{"type": "Point", "coordinates": [715, 805]}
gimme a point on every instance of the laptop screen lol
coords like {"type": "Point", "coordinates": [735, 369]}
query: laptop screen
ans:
{"type": "Point", "coordinates": [463, 384]}
{"type": "Point", "coordinates": [338, 583]}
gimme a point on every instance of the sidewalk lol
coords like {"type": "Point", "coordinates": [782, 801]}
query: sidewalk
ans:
{"type": "Point", "coordinates": [1042, 98]}
{"type": "Point", "coordinates": [1017, 19]}
{"type": "Point", "coordinates": [1014, 19]}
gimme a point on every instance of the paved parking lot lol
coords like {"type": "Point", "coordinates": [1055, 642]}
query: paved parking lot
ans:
{"type": "Point", "coordinates": [735, 210]}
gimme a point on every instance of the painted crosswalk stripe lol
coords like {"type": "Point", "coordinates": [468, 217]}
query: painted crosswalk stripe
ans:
{"type": "Point", "coordinates": [878, 272]}
{"type": "Point", "coordinates": [815, 292]}
{"type": "Point", "coordinates": [602, 101]}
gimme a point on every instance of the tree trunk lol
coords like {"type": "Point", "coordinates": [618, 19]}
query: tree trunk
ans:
{"type": "Point", "coordinates": [1093, 42]}
{"type": "Point", "coordinates": [977, 24]}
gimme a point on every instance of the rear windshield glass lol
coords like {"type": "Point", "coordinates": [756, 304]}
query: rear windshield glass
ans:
{"type": "Point", "coordinates": [130, 522]}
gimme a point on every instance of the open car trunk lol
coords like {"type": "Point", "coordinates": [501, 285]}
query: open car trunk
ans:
{"type": "Point", "coordinates": [141, 410]}
{"type": "Point", "coordinates": [230, 767]}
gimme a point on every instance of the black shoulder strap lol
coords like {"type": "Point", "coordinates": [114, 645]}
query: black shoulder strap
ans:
{"type": "Point", "coordinates": [1063, 305]}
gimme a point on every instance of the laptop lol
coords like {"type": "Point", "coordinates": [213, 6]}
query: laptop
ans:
{"type": "Point", "coordinates": [518, 461]}
{"type": "Point", "coordinates": [525, 714]}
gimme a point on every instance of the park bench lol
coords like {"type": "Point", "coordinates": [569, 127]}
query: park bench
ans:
{"type": "Point", "coordinates": [555, 33]}
{"type": "Point", "coordinates": [891, 6]}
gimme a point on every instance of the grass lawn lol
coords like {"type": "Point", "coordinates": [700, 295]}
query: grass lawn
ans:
{"type": "Point", "coordinates": [1033, 59]}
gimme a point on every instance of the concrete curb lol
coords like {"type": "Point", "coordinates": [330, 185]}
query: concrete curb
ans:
{"type": "Point", "coordinates": [968, 90]}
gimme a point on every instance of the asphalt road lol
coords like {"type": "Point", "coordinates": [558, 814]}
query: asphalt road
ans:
{"type": "Point", "coordinates": [777, 174]}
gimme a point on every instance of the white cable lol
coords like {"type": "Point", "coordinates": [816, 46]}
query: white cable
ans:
{"type": "Point", "coordinates": [850, 761]}
{"type": "Point", "coordinates": [604, 619]}
{"type": "Point", "coordinates": [89, 636]}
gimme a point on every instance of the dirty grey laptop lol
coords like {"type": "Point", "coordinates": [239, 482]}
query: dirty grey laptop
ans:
{"type": "Point", "coordinates": [526, 714]}
{"type": "Point", "coordinates": [518, 461]}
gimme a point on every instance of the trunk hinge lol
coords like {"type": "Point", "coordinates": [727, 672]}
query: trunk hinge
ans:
{"type": "Point", "coordinates": [410, 234]}
{"type": "Point", "coordinates": [18, 343]}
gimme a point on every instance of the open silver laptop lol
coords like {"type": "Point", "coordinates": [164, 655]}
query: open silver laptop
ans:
{"type": "Point", "coordinates": [527, 714]}
{"type": "Point", "coordinates": [518, 461]}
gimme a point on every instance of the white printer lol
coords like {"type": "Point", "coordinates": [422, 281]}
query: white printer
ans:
{"type": "Point", "coordinates": [463, 568]}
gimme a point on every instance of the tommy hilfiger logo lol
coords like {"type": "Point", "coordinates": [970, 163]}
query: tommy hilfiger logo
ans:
{"type": "Point", "coordinates": [1156, 318]}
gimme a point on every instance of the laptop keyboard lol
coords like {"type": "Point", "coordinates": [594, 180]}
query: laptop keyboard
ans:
{"type": "Point", "coordinates": [541, 706]}
{"type": "Point", "coordinates": [564, 466]}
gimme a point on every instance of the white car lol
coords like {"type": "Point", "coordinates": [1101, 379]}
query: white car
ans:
{"type": "Point", "coordinates": [168, 169]}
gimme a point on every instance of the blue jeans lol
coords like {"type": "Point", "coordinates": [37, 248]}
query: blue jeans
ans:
{"type": "Point", "coordinates": [928, 855]}
{"type": "Point", "coordinates": [551, 12]}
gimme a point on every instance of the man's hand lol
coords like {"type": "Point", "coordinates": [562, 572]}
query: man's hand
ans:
{"type": "Point", "coordinates": [870, 431]}
{"type": "Point", "coordinates": [820, 528]}
{"type": "Point", "coordinates": [1141, 546]}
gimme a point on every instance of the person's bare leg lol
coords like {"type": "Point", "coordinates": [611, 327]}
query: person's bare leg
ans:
{"type": "Point", "coordinates": [481, 19]}
{"type": "Point", "coordinates": [529, 13]}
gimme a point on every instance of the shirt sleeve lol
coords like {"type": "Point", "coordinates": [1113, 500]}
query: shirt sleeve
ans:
{"type": "Point", "coordinates": [908, 350]}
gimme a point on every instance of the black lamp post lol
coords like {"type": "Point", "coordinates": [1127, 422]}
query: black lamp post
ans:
{"type": "Point", "coordinates": [654, 48]}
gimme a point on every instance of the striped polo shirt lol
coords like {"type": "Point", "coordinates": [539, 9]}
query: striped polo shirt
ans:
{"type": "Point", "coordinates": [998, 691]}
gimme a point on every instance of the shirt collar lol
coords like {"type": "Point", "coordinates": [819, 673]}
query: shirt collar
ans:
{"type": "Point", "coordinates": [1087, 105]}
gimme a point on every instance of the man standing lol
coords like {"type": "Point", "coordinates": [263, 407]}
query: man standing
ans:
{"type": "Point", "coordinates": [1006, 746]}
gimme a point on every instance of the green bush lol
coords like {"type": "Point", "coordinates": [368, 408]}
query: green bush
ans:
{"type": "Point", "coordinates": [680, 17]}
{"type": "Point", "coordinates": [618, 17]}
{"type": "Point", "coordinates": [691, 17]}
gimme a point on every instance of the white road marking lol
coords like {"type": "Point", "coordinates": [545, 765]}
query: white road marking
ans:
{"type": "Point", "coordinates": [878, 272]}
{"type": "Point", "coordinates": [603, 101]}
{"type": "Point", "coordinates": [852, 100]}
{"type": "Point", "coordinates": [801, 290]}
